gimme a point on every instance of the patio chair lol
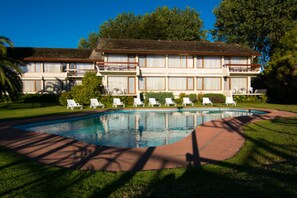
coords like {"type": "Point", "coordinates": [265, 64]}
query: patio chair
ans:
{"type": "Point", "coordinates": [229, 100]}
{"type": "Point", "coordinates": [72, 104]}
{"type": "Point", "coordinates": [94, 103]}
{"type": "Point", "coordinates": [117, 102]}
{"type": "Point", "coordinates": [206, 101]}
{"type": "Point", "coordinates": [137, 102]}
{"type": "Point", "coordinates": [168, 102]}
{"type": "Point", "coordinates": [187, 101]}
{"type": "Point", "coordinates": [153, 102]}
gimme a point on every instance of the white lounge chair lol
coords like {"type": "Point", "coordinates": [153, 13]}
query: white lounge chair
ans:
{"type": "Point", "coordinates": [187, 101]}
{"type": "Point", "coordinates": [137, 102]}
{"type": "Point", "coordinates": [168, 102]}
{"type": "Point", "coordinates": [117, 102]}
{"type": "Point", "coordinates": [229, 100]}
{"type": "Point", "coordinates": [153, 102]}
{"type": "Point", "coordinates": [206, 101]}
{"type": "Point", "coordinates": [72, 104]}
{"type": "Point", "coordinates": [94, 103]}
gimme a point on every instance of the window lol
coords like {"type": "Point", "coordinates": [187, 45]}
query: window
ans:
{"type": "Point", "coordinates": [53, 67]}
{"type": "Point", "coordinates": [84, 67]}
{"type": "Point", "coordinates": [212, 62]}
{"type": "Point", "coordinates": [199, 62]}
{"type": "Point", "coordinates": [238, 60]}
{"type": "Point", "coordinates": [180, 83]}
{"type": "Point", "coordinates": [152, 61]}
{"type": "Point", "coordinates": [209, 83]}
{"type": "Point", "coordinates": [31, 85]}
{"type": "Point", "coordinates": [239, 83]}
{"type": "Point", "coordinates": [31, 68]}
{"type": "Point", "coordinates": [152, 83]}
{"type": "Point", "coordinates": [177, 61]}
{"type": "Point", "coordinates": [122, 84]}
{"type": "Point", "coordinates": [117, 58]}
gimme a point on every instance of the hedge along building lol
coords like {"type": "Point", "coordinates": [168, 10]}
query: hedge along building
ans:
{"type": "Point", "coordinates": [131, 67]}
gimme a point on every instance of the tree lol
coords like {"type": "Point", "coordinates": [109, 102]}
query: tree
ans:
{"type": "Point", "coordinates": [281, 74]}
{"type": "Point", "coordinates": [257, 24]}
{"type": "Point", "coordinates": [164, 24]}
{"type": "Point", "coordinates": [91, 88]}
{"type": "Point", "coordinates": [10, 81]}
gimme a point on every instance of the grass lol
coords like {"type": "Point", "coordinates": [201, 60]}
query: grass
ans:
{"type": "Point", "coordinates": [265, 167]}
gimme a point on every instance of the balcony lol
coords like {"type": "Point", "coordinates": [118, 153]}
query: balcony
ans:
{"type": "Point", "coordinates": [243, 68]}
{"type": "Point", "coordinates": [117, 67]}
{"type": "Point", "coordinates": [78, 72]}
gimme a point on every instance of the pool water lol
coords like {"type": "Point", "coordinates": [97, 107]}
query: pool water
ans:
{"type": "Point", "coordinates": [134, 128]}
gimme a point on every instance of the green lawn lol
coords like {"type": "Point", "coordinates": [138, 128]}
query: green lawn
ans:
{"type": "Point", "coordinates": [265, 167]}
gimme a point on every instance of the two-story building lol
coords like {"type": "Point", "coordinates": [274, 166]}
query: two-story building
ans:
{"type": "Point", "coordinates": [53, 69]}
{"type": "Point", "coordinates": [134, 66]}
{"type": "Point", "coordinates": [131, 66]}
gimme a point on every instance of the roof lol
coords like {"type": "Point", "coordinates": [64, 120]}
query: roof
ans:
{"type": "Point", "coordinates": [172, 47]}
{"type": "Point", "coordinates": [52, 54]}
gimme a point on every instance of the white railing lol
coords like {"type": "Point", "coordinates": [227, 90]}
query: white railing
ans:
{"type": "Point", "coordinates": [243, 68]}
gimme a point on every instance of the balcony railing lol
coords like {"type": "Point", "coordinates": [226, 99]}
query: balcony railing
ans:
{"type": "Point", "coordinates": [116, 66]}
{"type": "Point", "coordinates": [78, 72]}
{"type": "Point", "coordinates": [242, 68]}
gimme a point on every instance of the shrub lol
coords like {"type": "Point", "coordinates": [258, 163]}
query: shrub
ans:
{"type": "Point", "coordinates": [160, 96]}
{"type": "Point", "coordinates": [215, 98]}
{"type": "Point", "coordinates": [63, 97]}
{"type": "Point", "coordinates": [251, 99]}
{"type": "Point", "coordinates": [40, 98]}
{"type": "Point", "coordinates": [193, 97]}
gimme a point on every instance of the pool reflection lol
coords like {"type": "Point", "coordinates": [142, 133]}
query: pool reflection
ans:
{"type": "Point", "coordinates": [134, 129]}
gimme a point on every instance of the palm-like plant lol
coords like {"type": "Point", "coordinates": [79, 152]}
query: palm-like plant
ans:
{"type": "Point", "coordinates": [10, 81]}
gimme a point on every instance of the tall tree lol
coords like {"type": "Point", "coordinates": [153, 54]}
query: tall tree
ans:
{"type": "Point", "coordinates": [10, 81]}
{"type": "Point", "coordinates": [163, 23]}
{"type": "Point", "coordinates": [257, 24]}
{"type": "Point", "coordinates": [281, 74]}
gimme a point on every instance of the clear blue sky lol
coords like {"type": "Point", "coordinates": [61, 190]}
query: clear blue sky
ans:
{"type": "Point", "coordinates": [62, 23]}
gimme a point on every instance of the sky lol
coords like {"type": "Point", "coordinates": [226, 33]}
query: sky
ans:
{"type": "Point", "coordinates": [62, 23]}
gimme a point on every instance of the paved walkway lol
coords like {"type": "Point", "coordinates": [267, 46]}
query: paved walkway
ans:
{"type": "Point", "coordinates": [213, 141]}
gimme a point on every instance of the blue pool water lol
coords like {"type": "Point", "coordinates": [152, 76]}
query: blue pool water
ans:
{"type": "Point", "coordinates": [134, 128]}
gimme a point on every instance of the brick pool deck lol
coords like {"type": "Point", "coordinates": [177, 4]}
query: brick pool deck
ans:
{"type": "Point", "coordinates": [211, 142]}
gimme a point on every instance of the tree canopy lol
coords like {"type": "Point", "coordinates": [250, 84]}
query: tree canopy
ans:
{"type": "Point", "coordinates": [281, 74]}
{"type": "Point", "coordinates": [10, 81]}
{"type": "Point", "coordinates": [257, 24]}
{"type": "Point", "coordinates": [163, 23]}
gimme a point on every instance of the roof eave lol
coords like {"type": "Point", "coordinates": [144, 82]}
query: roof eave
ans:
{"type": "Point", "coordinates": [201, 53]}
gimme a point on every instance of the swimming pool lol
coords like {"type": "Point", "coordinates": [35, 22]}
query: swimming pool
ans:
{"type": "Point", "coordinates": [135, 128]}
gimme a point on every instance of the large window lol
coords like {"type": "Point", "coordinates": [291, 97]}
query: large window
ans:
{"type": "Point", "coordinates": [212, 62]}
{"type": "Point", "coordinates": [180, 61]}
{"type": "Point", "coordinates": [199, 62]}
{"type": "Point", "coordinates": [152, 83]}
{"type": "Point", "coordinates": [209, 83]}
{"type": "Point", "coordinates": [31, 67]}
{"type": "Point", "coordinates": [31, 85]}
{"type": "Point", "coordinates": [181, 83]}
{"type": "Point", "coordinates": [117, 58]}
{"type": "Point", "coordinates": [239, 84]}
{"type": "Point", "coordinates": [53, 67]}
{"type": "Point", "coordinates": [238, 60]}
{"type": "Point", "coordinates": [152, 60]}
{"type": "Point", "coordinates": [118, 84]}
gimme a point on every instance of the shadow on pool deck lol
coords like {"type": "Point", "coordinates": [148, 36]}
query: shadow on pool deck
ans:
{"type": "Point", "coordinates": [209, 143]}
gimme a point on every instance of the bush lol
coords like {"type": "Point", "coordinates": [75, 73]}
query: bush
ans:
{"type": "Point", "coordinates": [63, 97]}
{"type": "Point", "coordinates": [251, 99]}
{"type": "Point", "coordinates": [193, 97]}
{"type": "Point", "coordinates": [40, 98]}
{"type": "Point", "coordinates": [215, 98]}
{"type": "Point", "coordinates": [160, 96]}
